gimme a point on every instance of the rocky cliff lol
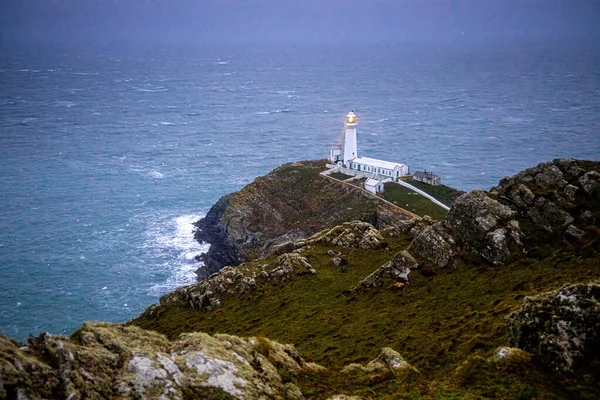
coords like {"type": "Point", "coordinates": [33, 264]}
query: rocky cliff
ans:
{"type": "Point", "coordinates": [290, 203]}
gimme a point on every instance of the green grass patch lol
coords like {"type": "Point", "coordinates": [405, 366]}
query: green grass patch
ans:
{"type": "Point", "coordinates": [412, 201]}
{"type": "Point", "coordinates": [442, 193]}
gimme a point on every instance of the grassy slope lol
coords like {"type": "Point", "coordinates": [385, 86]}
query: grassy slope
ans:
{"type": "Point", "coordinates": [412, 201]}
{"type": "Point", "coordinates": [442, 193]}
{"type": "Point", "coordinates": [436, 323]}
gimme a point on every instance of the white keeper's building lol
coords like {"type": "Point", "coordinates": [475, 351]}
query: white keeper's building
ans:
{"type": "Point", "coordinates": [347, 157]}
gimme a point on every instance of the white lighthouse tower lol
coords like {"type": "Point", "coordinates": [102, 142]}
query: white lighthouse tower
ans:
{"type": "Point", "coordinates": [350, 150]}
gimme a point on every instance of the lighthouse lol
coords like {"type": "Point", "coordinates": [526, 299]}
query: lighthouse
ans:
{"type": "Point", "coordinates": [352, 164]}
{"type": "Point", "coordinates": [350, 151]}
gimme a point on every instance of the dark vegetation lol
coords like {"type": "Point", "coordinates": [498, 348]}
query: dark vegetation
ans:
{"type": "Point", "coordinates": [340, 176]}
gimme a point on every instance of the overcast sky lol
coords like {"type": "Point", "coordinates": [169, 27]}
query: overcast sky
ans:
{"type": "Point", "coordinates": [295, 21]}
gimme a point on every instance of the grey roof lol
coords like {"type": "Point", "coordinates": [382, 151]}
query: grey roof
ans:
{"type": "Point", "coordinates": [426, 175]}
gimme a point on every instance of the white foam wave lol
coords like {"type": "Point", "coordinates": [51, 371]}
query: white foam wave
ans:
{"type": "Point", "coordinates": [284, 110]}
{"type": "Point", "coordinates": [166, 123]}
{"type": "Point", "coordinates": [173, 240]}
{"type": "Point", "coordinates": [27, 121]}
{"type": "Point", "coordinates": [156, 174]}
{"type": "Point", "coordinates": [66, 103]}
{"type": "Point", "coordinates": [151, 89]}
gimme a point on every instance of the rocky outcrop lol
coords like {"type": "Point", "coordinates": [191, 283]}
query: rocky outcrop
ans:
{"type": "Point", "coordinates": [476, 224]}
{"type": "Point", "coordinates": [435, 244]}
{"type": "Point", "coordinates": [562, 327]}
{"type": "Point", "coordinates": [290, 264]}
{"type": "Point", "coordinates": [510, 354]}
{"type": "Point", "coordinates": [290, 203]}
{"type": "Point", "coordinates": [553, 196]}
{"type": "Point", "coordinates": [397, 269]}
{"type": "Point", "coordinates": [103, 361]}
{"type": "Point", "coordinates": [388, 360]}
{"type": "Point", "coordinates": [233, 281]}
{"type": "Point", "coordinates": [357, 234]}
{"type": "Point", "coordinates": [555, 201]}
{"type": "Point", "coordinates": [485, 227]}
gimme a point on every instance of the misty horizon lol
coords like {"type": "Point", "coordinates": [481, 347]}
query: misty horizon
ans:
{"type": "Point", "coordinates": [295, 21]}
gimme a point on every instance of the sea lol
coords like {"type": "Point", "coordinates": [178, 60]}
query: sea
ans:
{"type": "Point", "coordinates": [109, 154]}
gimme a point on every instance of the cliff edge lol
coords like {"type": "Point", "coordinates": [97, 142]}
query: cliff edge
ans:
{"type": "Point", "coordinates": [290, 203]}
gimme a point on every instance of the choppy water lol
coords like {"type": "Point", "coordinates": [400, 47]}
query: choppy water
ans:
{"type": "Point", "coordinates": [108, 155]}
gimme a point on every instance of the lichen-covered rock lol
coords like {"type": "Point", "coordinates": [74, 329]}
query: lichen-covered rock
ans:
{"type": "Point", "coordinates": [283, 355]}
{"type": "Point", "coordinates": [435, 245]}
{"type": "Point", "coordinates": [510, 354]}
{"type": "Point", "coordinates": [548, 203]}
{"type": "Point", "coordinates": [232, 281]}
{"type": "Point", "coordinates": [397, 269]}
{"type": "Point", "coordinates": [388, 360]}
{"type": "Point", "coordinates": [356, 234]}
{"type": "Point", "coordinates": [553, 195]}
{"type": "Point", "coordinates": [351, 234]}
{"type": "Point", "coordinates": [485, 226]}
{"type": "Point", "coordinates": [574, 234]}
{"type": "Point", "coordinates": [402, 227]}
{"type": "Point", "coordinates": [288, 265]}
{"type": "Point", "coordinates": [337, 261]}
{"type": "Point", "coordinates": [208, 294]}
{"type": "Point", "coordinates": [562, 327]}
{"type": "Point", "coordinates": [590, 182]}
{"type": "Point", "coordinates": [105, 361]}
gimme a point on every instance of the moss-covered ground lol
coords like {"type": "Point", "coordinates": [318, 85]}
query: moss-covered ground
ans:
{"type": "Point", "coordinates": [447, 325]}
{"type": "Point", "coordinates": [412, 201]}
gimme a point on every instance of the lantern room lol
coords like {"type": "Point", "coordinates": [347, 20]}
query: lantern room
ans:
{"type": "Point", "coordinates": [351, 118]}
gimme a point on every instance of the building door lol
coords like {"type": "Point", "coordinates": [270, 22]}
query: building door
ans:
{"type": "Point", "coordinates": [358, 167]}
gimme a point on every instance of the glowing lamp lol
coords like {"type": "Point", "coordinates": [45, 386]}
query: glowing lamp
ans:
{"type": "Point", "coordinates": [350, 118]}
